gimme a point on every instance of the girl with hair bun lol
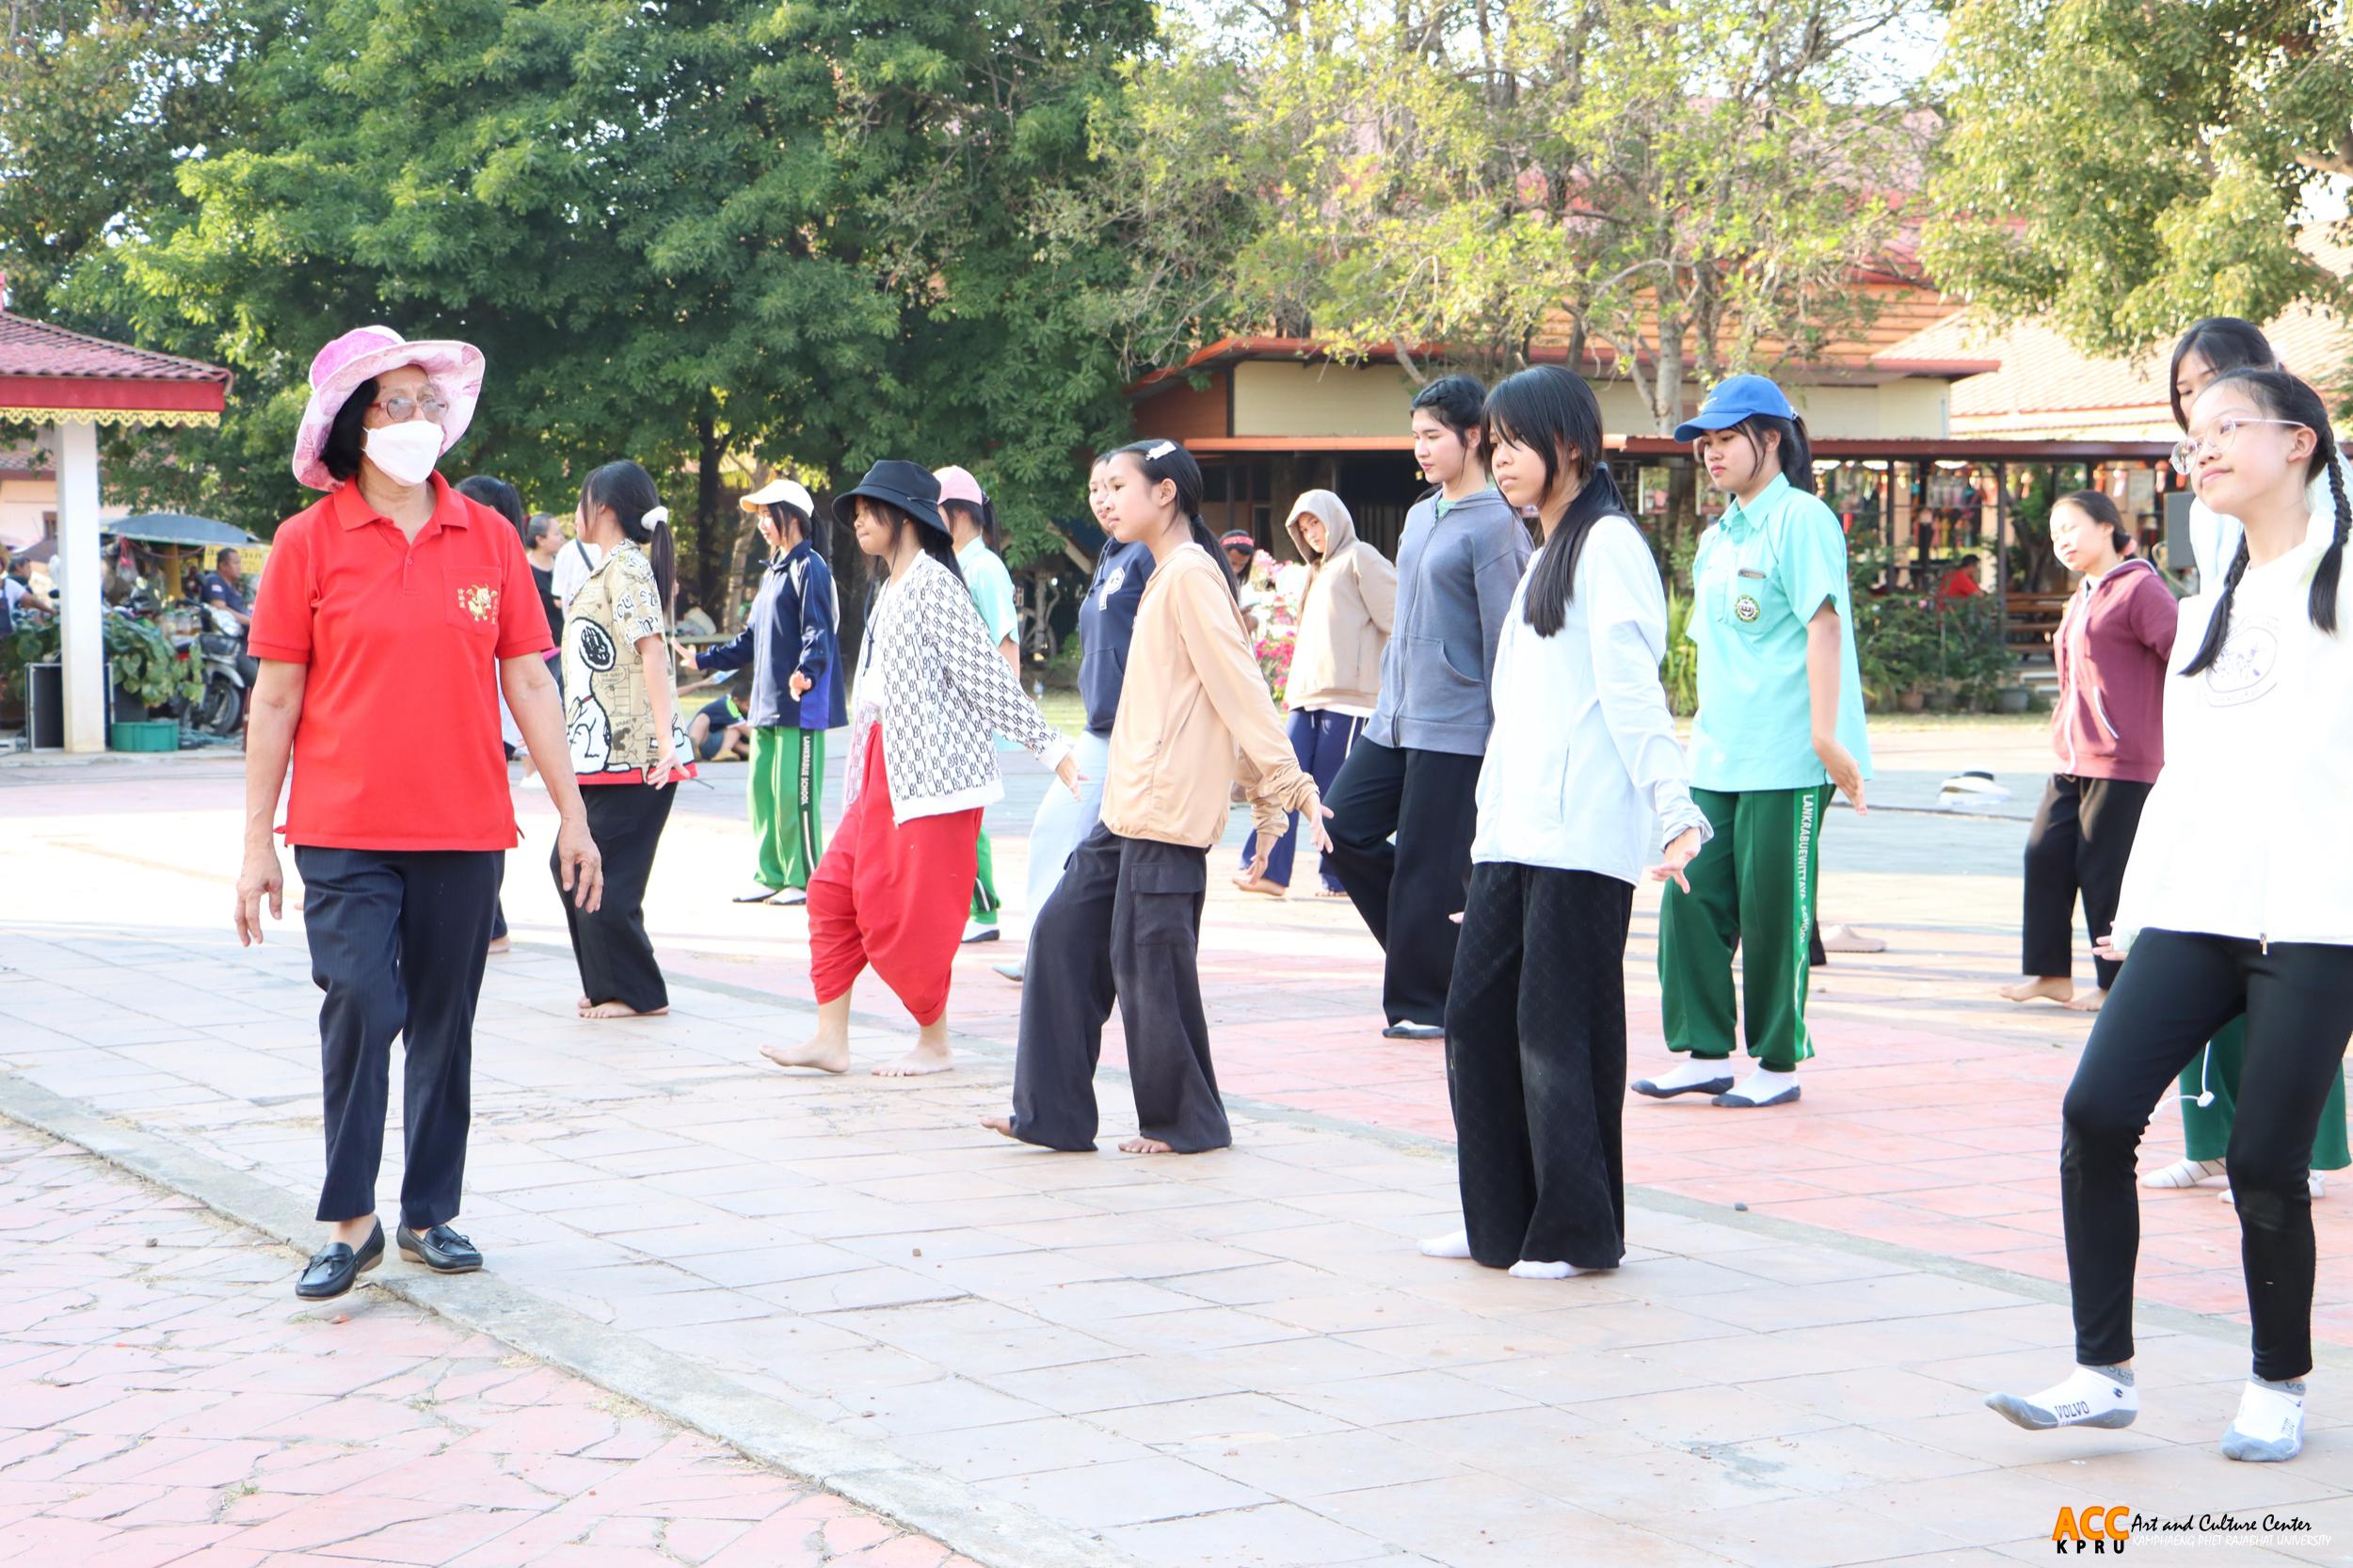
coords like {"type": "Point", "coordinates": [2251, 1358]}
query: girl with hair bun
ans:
{"type": "Point", "coordinates": [2108, 731]}
{"type": "Point", "coordinates": [2238, 902]}
{"type": "Point", "coordinates": [629, 744]}
{"type": "Point", "coordinates": [1403, 806]}
{"type": "Point", "coordinates": [1124, 922]}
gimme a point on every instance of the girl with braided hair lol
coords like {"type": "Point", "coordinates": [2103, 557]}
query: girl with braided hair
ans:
{"type": "Point", "coordinates": [2209, 1087]}
{"type": "Point", "coordinates": [2238, 900]}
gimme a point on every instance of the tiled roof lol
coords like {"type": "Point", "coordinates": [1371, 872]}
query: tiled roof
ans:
{"type": "Point", "coordinates": [37, 349]}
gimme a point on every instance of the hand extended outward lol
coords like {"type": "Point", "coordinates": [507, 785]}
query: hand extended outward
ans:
{"type": "Point", "coordinates": [1314, 812]}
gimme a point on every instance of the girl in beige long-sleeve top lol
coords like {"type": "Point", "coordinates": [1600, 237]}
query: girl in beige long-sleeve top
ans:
{"type": "Point", "coordinates": [1124, 923]}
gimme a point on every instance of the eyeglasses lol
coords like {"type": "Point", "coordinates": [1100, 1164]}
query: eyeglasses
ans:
{"type": "Point", "coordinates": [400, 408]}
{"type": "Point", "coordinates": [2226, 430]}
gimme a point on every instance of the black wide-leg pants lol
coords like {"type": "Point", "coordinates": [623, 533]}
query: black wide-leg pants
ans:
{"type": "Point", "coordinates": [2080, 842]}
{"type": "Point", "coordinates": [610, 944]}
{"type": "Point", "coordinates": [397, 940]}
{"type": "Point", "coordinates": [2175, 990]}
{"type": "Point", "coordinates": [1123, 925]}
{"type": "Point", "coordinates": [1408, 889]}
{"type": "Point", "coordinates": [1535, 1065]}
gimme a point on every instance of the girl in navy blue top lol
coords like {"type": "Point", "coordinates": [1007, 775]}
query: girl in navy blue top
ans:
{"type": "Point", "coordinates": [791, 641]}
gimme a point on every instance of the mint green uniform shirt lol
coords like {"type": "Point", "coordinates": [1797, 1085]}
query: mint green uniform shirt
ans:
{"type": "Point", "coordinates": [1759, 576]}
{"type": "Point", "coordinates": [991, 587]}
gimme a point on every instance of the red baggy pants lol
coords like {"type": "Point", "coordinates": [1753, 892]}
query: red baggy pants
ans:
{"type": "Point", "coordinates": [893, 895]}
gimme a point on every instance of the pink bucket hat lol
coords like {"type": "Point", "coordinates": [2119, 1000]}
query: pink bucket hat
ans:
{"type": "Point", "coordinates": [365, 353]}
{"type": "Point", "coordinates": [957, 484]}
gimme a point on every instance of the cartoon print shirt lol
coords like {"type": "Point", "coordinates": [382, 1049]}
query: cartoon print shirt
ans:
{"type": "Point", "coordinates": [608, 714]}
{"type": "Point", "coordinates": [2237, 838]}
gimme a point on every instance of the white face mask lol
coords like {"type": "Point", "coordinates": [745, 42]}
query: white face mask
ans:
{"type": "Point", "coordinates": [407, 451]}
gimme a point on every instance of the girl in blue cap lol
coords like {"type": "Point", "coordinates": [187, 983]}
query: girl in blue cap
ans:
{"type": "Point", "coordinates": [1780, 724]}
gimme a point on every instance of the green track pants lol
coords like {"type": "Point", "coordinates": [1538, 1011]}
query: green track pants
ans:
{"type": "Point", "coordinates": [787, 800]}
{"type": "Point", "coordinates": [2207, 1129]}
{"type": "Point", "coordinates": [1753, 888]}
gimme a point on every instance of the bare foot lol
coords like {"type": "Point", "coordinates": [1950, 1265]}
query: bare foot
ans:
{"type": "Point", "coordinates": [619, 1010]}
{"type": "Point", "coordinates": [931, 1054]}
{"type": "Point", "coordinates": [500, 944]}
{"type": "Point", "coordinates": [2057, 987]}
{"type": "Point", "coordinates": [1260, 885]}
{"type": "Point", "coordinates": [826, 1052]}
{"type": "Point", "coordinates": [1003, 1126]}
{"type": "Point", "coordinates": [2088, 1002]}
{"type": "Point", "coordinates": [1144, 1146]}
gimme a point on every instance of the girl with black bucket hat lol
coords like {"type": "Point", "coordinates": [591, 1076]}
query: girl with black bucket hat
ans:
{"type": "Point", "coordinates": [893, 885]}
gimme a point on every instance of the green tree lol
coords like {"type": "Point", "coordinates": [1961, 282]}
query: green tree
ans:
{"type": "Point", "coordinates": [2124, 168]}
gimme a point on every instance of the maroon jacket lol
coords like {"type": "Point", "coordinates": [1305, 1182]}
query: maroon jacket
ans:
{"type": "Point", "coordinates": [2111, 651]}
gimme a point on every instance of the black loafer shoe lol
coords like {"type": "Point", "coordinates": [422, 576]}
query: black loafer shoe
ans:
{"type": "Point", "coordinates": [1408, 1030]}
{"type": "Point", "coordinates": [440, 1249]}
{"type": "Point", "coordinates": [333, 1268]}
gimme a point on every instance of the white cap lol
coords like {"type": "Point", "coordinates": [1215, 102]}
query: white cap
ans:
{"type": "Point", "coordinates": [789, 491]}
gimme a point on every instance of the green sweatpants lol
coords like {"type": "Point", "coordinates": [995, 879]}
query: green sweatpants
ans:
{"type": "Point", "coordinates": [986, 904]}
{"type": "Point", "coordinates": [2207, 1130]}
{"type": "Point", "coordinates": [786, 799]}
{"type": "Point", "coordinates": [1751, 889]}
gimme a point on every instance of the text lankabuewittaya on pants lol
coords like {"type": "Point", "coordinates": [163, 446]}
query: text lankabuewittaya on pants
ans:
{"type": "Point", "coordinates": [786, 798]}
{"type": "Point", "coordinates": [1406, 890]}
{"type": "Point", "coordinates": [1062, 821]}
{"type": "Point", "coordinates": [2081, 838]}
{"type": "Point", "coordinates": [2175, 991]}
{"type": "Point", "coordinates": [1535, 1065]}
{"type": "Point", "coordinates": [610, 944]}
{"type": "Point", "coordinates": [397, 942]}
{"type": "Point", "coordinates": [891, 895]}
{"type": "Point", "coordinates": [1753, 887]}
{"type": "Point", "coordinates": [1123, 925]}
{"type": "Point", "coordinates": [1321, 740]}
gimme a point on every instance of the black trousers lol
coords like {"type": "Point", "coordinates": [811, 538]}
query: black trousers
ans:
{"type": "Point", "coordinates": [397, 942]}
{"type": "Point", "coordinates": [1406, 890]}
{"type": "Point", "coordinates": [2174, 992]}
{"type": "Point", "coordinates": [1535, 1065]}
{"type": "Point", "coordinates": [1123, 923]}
{"type": "Point", "coordinates": [2081, 837]}
{"type": "Point", "coordinates": [615, 954]}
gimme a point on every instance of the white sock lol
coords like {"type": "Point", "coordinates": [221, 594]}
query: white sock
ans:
{"type": "Point", "coordinates": [2088, 1397]}
{"type": "Point", "coordinates": [1763, 1085]}
{"type": "Point", "coordinates": [1529, 1269]}
{"type": "Point", "coordinates": [2269, 1425]}
{"type": "Point", "coordinates": [1454, 1243]}
{"type": "Point", "coordinates": [1693, 1073]}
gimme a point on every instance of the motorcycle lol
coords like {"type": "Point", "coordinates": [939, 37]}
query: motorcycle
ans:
{"type": "Point", "coordinates": [220, 644]}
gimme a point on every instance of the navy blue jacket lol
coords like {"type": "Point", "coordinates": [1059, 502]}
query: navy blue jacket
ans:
{"type": "Point", "coordinates": [792, 628]}
{"type": "Point", "coordinates": [1107, 622]}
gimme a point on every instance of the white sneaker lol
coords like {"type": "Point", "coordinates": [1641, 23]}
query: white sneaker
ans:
{"type": "Point", "coordinates": [2185, 1173]}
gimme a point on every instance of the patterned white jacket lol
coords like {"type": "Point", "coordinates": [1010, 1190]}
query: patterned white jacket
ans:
{"type": "Point", "coordinates": [931, 678]}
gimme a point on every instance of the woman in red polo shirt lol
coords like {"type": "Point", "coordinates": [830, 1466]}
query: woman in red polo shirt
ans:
{"type": "Point", "coordinates": [393, 614]}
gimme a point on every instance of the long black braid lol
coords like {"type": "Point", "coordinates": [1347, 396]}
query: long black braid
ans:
{"type": "Point", "coordinates": [2281, 397]}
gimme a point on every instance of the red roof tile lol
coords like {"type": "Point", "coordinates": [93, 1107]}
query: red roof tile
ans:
{"type": "Point", "coordinates": [37, 349]}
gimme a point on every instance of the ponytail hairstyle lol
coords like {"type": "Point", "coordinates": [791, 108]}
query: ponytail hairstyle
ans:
{"type": "Point", "coordinates": [627, 491]}
{"type": "Point", "coordinates": [2226, 344]}
{"type": "Point", "coordinates": [501, 497]}
{"type": "Point", "coordinates": [784, 517]}
{"type": "Point", "coordinates": [2282, 396]}
{"type": "Point", "coordinates": [1159, 460]}
{"type": "Point", "coordinates": [982, 517]}
{"type": "Point", "coordinates": [1796, 453]}
{"type": "Point", "coordinates": [2096, 506]}
{"type": "Point", "coordinates": [1555, 414]}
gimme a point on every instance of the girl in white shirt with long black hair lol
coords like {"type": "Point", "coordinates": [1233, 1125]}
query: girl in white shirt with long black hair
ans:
{"type": "Point", "coordinates": [1583, 786]}
{"type": "Point", "coordinates": [2238, 900]}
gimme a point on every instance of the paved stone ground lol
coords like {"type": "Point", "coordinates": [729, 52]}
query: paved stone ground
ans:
{"type": "Point", "coordinates": [1238, 1358]}
{"type": "Point", "coordinates": [160, 1404]}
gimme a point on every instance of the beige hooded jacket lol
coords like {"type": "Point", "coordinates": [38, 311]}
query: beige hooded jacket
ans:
{"type": "Point", "coordinates": [1344, 612]}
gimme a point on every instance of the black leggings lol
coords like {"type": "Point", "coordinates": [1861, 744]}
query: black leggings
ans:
{"type": "Point", "coordinates": [2174, 992]}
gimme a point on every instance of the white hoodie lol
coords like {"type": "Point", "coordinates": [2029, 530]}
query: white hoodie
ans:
{"type": "Point", "coordinates": [2242, 834]}
{"type": "Point", "coordinates": [1583, 771]}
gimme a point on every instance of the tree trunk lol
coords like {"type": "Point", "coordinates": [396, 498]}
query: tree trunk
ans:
{"type": "Point", "coordinates": [709, 529]}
